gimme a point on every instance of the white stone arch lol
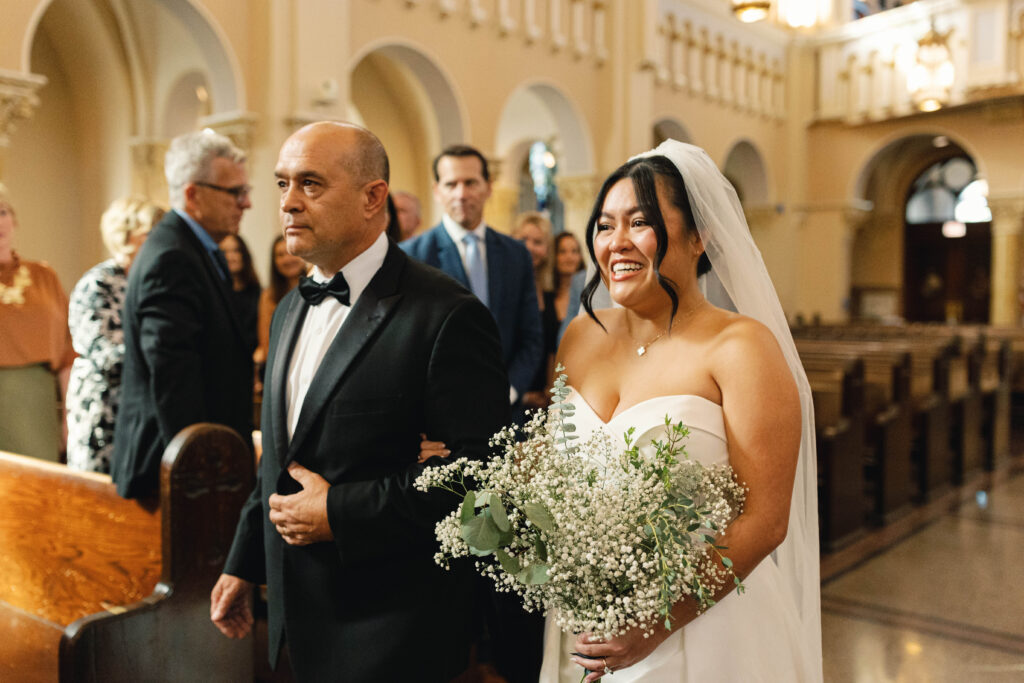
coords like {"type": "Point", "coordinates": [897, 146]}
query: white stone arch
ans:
{"type": "Point", "coordinates": [446, 102]}
{"type": "Point", "coordinates": [559, 116]}
{"type": "Point", "coordinates": [745, 167]}
{"type": "Point", "coordinates": [669, 127]}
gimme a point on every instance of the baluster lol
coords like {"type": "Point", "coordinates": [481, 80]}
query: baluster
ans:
{"type": "Point", "coordinates": [696, 61]}
{"type": "Point", "coordinates": [477, 13]}
{"type": "Point", "coordinates": [600, 29]}
{"type": "Point", "coordinates": [711, 90]}
{"type": "Point", "coordinates": [579, 29]}
{"type": "Point", "coordinates": [680, 38]}
{"type": "Point", "coordinates": [558, 39]}
{"type": "Point", "coordinates": [506, 22]}
{"type": "Point", "coordinates": [531, 27]}
{"type": "Point", "coordinates": [445, 8]}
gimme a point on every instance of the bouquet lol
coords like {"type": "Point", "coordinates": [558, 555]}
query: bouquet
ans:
{"type": "Point", "coordinates": [602, 539]}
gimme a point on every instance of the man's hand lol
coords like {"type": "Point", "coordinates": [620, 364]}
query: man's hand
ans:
{"type": "Point", "coordinates": [230, 610]}
{"type": "Point", "coordinates": [301, 518]}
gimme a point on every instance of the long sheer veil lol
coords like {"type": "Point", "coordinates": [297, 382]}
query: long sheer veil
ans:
{"type": "Point", "coordinates": [738, 266]}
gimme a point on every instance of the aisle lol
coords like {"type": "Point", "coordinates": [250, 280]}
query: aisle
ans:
{"type": "Point", "coordinates": [945, 603]}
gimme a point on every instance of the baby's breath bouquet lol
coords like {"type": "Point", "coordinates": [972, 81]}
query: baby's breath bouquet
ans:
{"type": "Point", "coordinates": [601, 538]}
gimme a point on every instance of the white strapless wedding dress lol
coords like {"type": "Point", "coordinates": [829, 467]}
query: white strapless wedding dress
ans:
{"type": "Point", "coordinates": [743, 638]}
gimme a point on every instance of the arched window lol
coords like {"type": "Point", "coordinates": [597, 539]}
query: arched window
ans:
{"type": "Point", "coordinates": [949, 192]}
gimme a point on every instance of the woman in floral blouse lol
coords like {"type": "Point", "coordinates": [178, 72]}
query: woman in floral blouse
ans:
{"type": "Point", "coordinates": [35, 348]}
{"type": "Point", "coordinates": [95, 321]}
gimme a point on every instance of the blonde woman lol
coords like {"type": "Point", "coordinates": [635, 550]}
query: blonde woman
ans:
{"type": "Point", "coordinates": [533, 229]}
{"type": "Point", "coordinates": [95, 321]}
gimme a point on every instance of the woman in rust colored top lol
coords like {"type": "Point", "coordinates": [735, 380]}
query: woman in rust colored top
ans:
{"type": "Point", "coordinates": [35, 349]}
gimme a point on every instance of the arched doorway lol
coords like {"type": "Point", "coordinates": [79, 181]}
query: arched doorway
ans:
{"type": "Point", "coordinates": [404, 97]}
{"type": "Point", "coordinates": [902, 265]}
{"type": "Point", "coordinates": [947, 245]}
{"type": "Point", "coordinates": [668, 128]}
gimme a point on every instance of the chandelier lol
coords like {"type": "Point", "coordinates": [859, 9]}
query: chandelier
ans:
{"type": "Point", "coordinates": [749, 11]}
{"type": "Point", "coordinates": [930, 80]}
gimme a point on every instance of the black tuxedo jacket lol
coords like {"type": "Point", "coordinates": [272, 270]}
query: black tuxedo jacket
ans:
{"type": "Point", "coordinates": [511, 293]}
{"type": "Point", "coordinates": [185, 356]}
{"type": "Point", "coordinates": [416, 354]}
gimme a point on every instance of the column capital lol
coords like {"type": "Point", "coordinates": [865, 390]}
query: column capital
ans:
{"type": "Point", "coordinates": [574, 189]}
{"type": "Point", "coordinates": [237, 125]}
{"type": "Point", "coordinates": [1007, 214]}
{"type": "Point", "coordinates": [18, 100]}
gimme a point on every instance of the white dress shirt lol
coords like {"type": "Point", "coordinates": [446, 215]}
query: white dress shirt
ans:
{"type": "Point", "coordinates": [322, 324]}
{"type": "Point", "coordinates": [457, 232]}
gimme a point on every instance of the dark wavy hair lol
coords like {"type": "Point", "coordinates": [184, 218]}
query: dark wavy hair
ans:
{"type": "Point", "coordinates": [643, 173]}
{"type": "Point", "coordinates": [279, 285]}
{"type": "Point", "coordinates": [248, 276]}
{"type": "Point", "coordinates": [559, 238]}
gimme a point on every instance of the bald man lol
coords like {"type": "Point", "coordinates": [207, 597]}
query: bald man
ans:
{"type": "Point", "coordinates": [365, 355]}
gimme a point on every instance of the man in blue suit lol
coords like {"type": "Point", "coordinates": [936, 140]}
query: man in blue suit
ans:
{"type": "Point", "coordinates": [499, 271]}
{"type": "Point", "coordinates": [495, 267]}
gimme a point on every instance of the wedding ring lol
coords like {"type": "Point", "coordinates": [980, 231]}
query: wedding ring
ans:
{"type": "Point", "coordinates": [607, 669]}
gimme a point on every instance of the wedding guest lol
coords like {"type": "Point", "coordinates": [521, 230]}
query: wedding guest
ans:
{"type": "Point", "coordinates": [35, 349]}
{"type": "Point", "coordinates": [94, 317]}
{"type": "Point", "coordinates": [285, 271]}
{"type": "Point", "coordinates": [567, 262]}
{"type": "Point", "coordinates": [394, 228]}
{"type": "Point", "coordinates": [245, 287]}
{"type": "Point", "coordinates": [407, 205]}
{"type": "Point", "coordinates": [185, 360]}
{"type": "Point", "coordinates": [533, 229]}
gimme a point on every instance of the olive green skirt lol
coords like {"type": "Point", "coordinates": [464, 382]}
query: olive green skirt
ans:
{"type": "Point", "coordinates": [28, 412]}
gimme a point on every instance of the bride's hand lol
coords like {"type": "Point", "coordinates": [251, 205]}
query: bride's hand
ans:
{"type": "Point", "coordinates": [431, 449]}
{"type": "Point", "coordinates": [616, 653]}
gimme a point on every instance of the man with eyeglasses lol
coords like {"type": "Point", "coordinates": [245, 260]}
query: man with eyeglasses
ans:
{"type": "Point", "coordinates": [186, 360]}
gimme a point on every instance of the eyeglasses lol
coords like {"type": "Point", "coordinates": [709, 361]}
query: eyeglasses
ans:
{"type": "Point", "coordinates": [239, 192]}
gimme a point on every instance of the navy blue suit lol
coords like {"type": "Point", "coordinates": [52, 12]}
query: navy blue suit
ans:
{"type": "Point", "coordinates": [511, 289]}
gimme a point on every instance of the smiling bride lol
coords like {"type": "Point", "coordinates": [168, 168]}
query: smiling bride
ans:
{"type": "Point", "coordinates": [660, 221]}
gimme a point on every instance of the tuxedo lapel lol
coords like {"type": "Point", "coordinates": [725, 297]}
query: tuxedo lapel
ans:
{"type": "Point", "coordinates": [448, 255]}
{"type": "Point", "coordinates": [367, 316]}
{"type": "Point", "coordinates": [278, 386]}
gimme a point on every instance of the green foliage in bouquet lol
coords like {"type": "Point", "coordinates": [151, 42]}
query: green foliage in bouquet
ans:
{"type": "Point", "coordinates": [605, 539]}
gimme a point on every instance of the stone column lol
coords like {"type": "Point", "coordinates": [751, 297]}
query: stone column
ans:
{"type": "Point", "coordinates": [148, 169]}
{"type": "Point", "coordinates": [1007, 227]}
{"type": "Point", "coordinates": [502, 207]}
{"type": "Point", "coordinates": [18, 100]}
{"type": "Point", "coordinates": [578, 193]}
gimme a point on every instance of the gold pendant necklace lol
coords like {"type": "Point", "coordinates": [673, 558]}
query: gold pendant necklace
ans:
{"type": "Point", "coordinates": [641, 349]}
{"type": "Point", "coordinates": [15, 292]}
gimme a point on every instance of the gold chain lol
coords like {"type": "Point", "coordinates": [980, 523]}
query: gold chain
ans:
{"type": "Point", "coordinates": [641, 349]}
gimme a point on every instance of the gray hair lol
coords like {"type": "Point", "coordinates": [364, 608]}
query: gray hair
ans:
{"type": "Point", "coordinates": [189, 158]}
{"type": "Point", "coordinates": [125, 218]}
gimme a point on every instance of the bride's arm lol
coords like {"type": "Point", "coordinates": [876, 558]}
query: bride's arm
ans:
{"type": "Point", "coordinates": [761, 408]}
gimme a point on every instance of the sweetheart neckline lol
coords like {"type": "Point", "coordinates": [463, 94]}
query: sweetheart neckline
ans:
{"type": "Point", "coordinates": [638, 404]}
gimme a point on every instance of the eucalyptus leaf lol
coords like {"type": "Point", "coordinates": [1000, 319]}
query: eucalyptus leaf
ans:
{"type": "Point", "coordinates": [542, 549]}
{"type": "Point", "coordinates": [481, 533]}
{"type": "Point", "coordinates": [508, 563]}
{"type": "Point", "coordinates": [497, 510]}
{"type": "Point", "coordinates": [539, 516]}
{"type": "Point", "coordinates": [468, 504]}
{"type": "Point", "coordinates": [533, 575]}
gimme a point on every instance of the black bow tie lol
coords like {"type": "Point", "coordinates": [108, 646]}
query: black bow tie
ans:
{"type": "Point", "coordinates": [314, 292]}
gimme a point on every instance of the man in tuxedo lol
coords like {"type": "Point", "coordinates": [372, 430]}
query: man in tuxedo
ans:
{"type": "Point", "coordinates": [365, 355]}
{"type": "Point", "coordinates": [495, 267]}
{"type": "Point", "coordinates": [186, 359]}
{"type": "Point", "coordinates": [498, 270]}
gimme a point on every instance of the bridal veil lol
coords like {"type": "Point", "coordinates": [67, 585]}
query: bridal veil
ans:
{"type": "Point", "coordinates": [738, 266]}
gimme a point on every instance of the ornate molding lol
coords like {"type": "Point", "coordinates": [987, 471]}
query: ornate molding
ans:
{"type": "Point", "coordinates": [578, 190]}
{"type": "Point", "coordinates": [18, 100]}
{"type": "Point", "coordinates": [238, 126]}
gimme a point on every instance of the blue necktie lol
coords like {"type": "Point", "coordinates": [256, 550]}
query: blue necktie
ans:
{"type": "Point", "coordinates": [475, 267]}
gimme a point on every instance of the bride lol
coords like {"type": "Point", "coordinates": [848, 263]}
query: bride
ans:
{"type": "Point", "coordinates": [735, 380]}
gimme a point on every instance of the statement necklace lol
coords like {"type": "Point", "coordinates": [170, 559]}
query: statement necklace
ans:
{"type": "Point", "coordinates": [15, 292]}
{"type": "Point", "coordinates": [641, 349]}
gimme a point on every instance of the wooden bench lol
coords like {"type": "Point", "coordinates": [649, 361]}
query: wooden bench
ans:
{"type": "Point", "coordinates": [837, 389]}
{"type": "Point", "coordinates": [888, 423]}
{"type": "Point", "coordinates": [98, 588]}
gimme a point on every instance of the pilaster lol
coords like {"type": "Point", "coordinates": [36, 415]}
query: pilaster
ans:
{"type": "Point", "coordinates": [1007, 228]}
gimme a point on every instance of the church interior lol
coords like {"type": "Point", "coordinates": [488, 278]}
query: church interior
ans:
{"type": "Point", "coordinates": [877, 147]}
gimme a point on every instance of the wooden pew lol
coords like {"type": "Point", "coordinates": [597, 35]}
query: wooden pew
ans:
{"type": "Point", "coordinates": [98, 588]}
{"type": "Point", "coordinates": [888, 421]}
{"type": "Point", "coordinates": [837, 389]}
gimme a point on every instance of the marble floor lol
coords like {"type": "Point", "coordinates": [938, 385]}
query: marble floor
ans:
{"type": "Point", "coordinates": [941, 599]}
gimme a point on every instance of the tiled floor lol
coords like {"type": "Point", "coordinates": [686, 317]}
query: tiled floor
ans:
{"type": "Point", "coordinates": [944, 604]}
